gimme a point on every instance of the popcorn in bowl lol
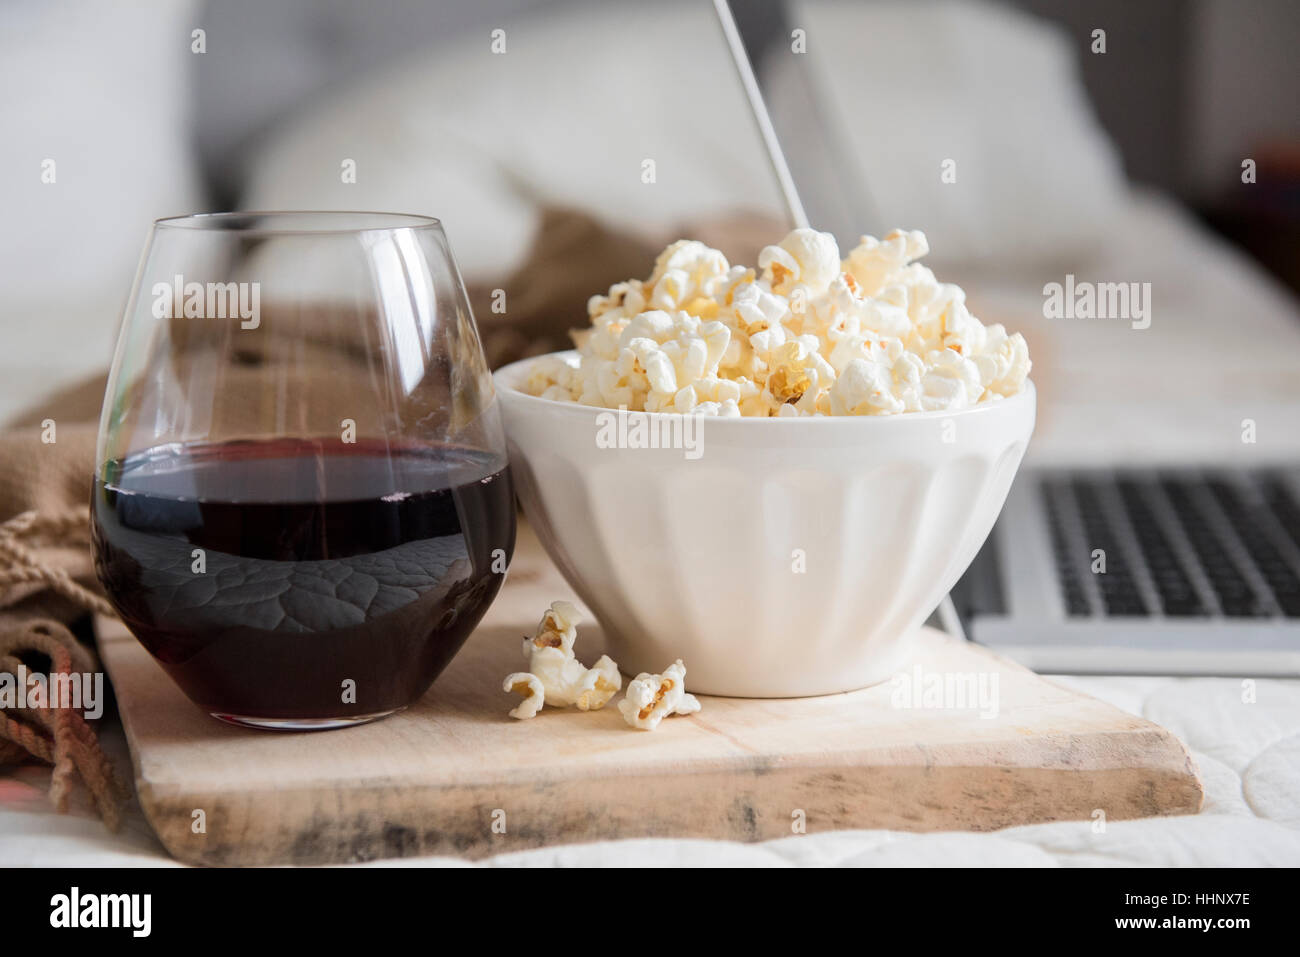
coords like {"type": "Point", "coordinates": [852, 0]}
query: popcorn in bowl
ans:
{"type": "Point", "coordinates": [807, 334]}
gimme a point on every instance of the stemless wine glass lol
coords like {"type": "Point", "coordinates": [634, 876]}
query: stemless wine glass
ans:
{"type": "Point", "coordinates": [301, 503]}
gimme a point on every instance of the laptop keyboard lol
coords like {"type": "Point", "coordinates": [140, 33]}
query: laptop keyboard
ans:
{"type": "Point", "coordinates": [1179, 545]}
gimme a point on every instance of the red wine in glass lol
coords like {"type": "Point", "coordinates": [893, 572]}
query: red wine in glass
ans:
{"type": "Point", "coordinates": [290, 582]}
{"type": "Point", "coordinates": [301, 503]}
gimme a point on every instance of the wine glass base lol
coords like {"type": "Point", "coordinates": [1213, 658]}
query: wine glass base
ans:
{"type": "Point", "coordinates": [302, 724]}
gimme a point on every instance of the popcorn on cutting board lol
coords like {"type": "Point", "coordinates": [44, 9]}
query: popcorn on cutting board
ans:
{"type": "Point", "coordinates": [651, 698]}
{"type": "Point", "coordinates": [806, 334]}
{"type": "Point", "coordinates": [556, 678]}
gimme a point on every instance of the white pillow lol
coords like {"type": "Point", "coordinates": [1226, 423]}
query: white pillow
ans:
{"type": "Point", "coordinates": [583, 96]}
{"type": "Point", "coordinates": [910, 85]}
{"type": "Point", "coordinates": [567, 115]}
{"type": "Point", "coordinates": [100, 89]}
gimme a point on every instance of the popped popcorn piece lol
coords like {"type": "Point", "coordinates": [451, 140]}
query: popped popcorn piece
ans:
{"type": "Point", "coordinates": [879, 263]}
{"type": "Point", "coordinates": [685, 277]}
{"type": "Point", "coordinates": [864, 388]}
{"type": "Point", "coordinates": [651, 698]}
{"type": "Point", "coordinates": [599, 684]}
{"type": "Point", "coordinates": [530, 687]}
{"type": "Point", "coordinates": [805, 257]}
{"type": "Point", "coordinates": [557, 629]}
{"type": "Point", "coordinates": [805, 334]}
{"type": "Point", "coordinates": [555, 676]}
{"type": "Point", "coordinates": [796, 374]}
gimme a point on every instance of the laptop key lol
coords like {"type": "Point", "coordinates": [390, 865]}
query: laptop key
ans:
{"type": "Point", "coordinates": [1236, 598]}
{"type": "Point", "coordinates": [1119, 591]}
{"type": "Point", "coordinates": [1247, 519]}
{"type": "Point", "coordinates": [1073, 596]}
{"type": "Point", "coordinates": [1178, 598]}
{"type": "Point", "coordinates": [1282, 507]}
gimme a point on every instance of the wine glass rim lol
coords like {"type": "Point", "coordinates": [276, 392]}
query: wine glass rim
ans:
{"type": "Point", "coordinates": [307, 222]}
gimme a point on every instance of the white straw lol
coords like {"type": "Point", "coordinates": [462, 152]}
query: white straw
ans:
{"type": "Point", "coordinates": [761, 117]}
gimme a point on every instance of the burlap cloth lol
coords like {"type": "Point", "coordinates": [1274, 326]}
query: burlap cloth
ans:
{"type": "Point", "coordinates": [48, 589]}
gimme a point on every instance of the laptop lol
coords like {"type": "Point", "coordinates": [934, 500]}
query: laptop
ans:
{"type": "Point", "coordinates": [1132, 570]}
{"type": "Point", "coordinates": [1119, 571]}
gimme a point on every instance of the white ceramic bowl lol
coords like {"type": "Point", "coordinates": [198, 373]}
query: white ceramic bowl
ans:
{"type": "Point", "coordinates": [788, 557]}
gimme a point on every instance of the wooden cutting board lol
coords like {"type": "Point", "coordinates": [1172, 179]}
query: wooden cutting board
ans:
{"type": "Point", "coordinates": [455, 775]}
